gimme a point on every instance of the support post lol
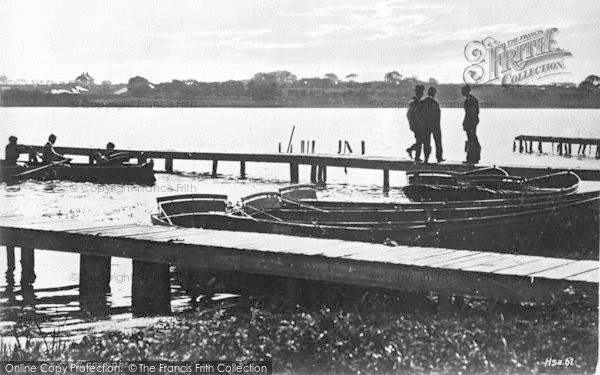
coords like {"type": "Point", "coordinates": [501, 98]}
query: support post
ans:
{"type": "Point", "coordinates": [386, 180]}
{"type": "Point", "coordinates": [294, 173]}
{"type": "Point", "coordinates": [540, 150]}
{"type": "Point", "coordinates": [302, 147]}
{"type": "Point", "coordinates": [94, 283]}
{"type": "Point", "coordinates": [150, 289]}
{"type": "Point", "coordinates": [27, 266]}
{"type": "Point", "coordinates": [279, 147]}
{"type": "Point", "coordinates": [313, 173]}
{"type": "Point", "coordinates": [10, 266]}
{"type": "Point", "coordinates": [313, 146]}
{"type": "Point", "coordinates": [530, 146]}
{"type": "Point", "coordinates": [91, 159]}
{"type": "Point", "coordinates": [514, 145]}
{"type": "Point", "coordinates": [340, 146]}
{"type": "Point", "coordinates": [169, 164]}
{"type": "Point", "coordinates": [570, 149]}
{"type": "Point", "coordinates": [214, 169]}
{"type": "Point", "coordinates": [520, 146]}
{"type": "Point", "coordinates": [560, 148]}
{"type": "Point", "coordinates": [362, 147]}
{"type": "Point", "coordinates": [243, 169]}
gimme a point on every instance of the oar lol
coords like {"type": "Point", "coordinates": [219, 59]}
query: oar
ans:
{"type": "Point", "coordinates": [263, 212]}
{"type": "Point", "coordinates": [292, 201]}
{"type": "Point", "coordinates": [35, 170]}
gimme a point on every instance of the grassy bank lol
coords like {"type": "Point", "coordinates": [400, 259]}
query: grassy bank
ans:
{"type": "Point", "coordinates": [373, 334]}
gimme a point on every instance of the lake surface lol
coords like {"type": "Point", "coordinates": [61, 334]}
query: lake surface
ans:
{"type": "Point", "coordinates": [385, 132]}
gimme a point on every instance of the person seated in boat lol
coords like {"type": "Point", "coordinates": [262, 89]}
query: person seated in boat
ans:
{"type": "Point", "coordinates": [110, 156]}
{"type": "Point", "coordinates": [13, 151]}
{"type": "Point", "coordinates": [49, 154]}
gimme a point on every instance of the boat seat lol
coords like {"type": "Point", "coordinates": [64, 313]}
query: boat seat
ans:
{"type": "Point", "coordinates": [188, 204]}
{"type": "Point", "coordinates": [262, 201]}
{"type": "Point", "coordinates": [299, 192]}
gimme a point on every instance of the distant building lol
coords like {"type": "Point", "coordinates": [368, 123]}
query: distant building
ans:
{"type": "Point", "coordinates": [84, 80]}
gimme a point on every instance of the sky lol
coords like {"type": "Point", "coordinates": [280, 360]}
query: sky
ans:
{"type": "Point", "coordinates": [234, 39]}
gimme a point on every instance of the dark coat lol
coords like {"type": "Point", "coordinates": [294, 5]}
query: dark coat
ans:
{"type": "Point", "coordinates": [471, 106]}
{"type": "Point", "coordinates": [430, 113]}
{"type": "Point", "coordinates": [414, 114]}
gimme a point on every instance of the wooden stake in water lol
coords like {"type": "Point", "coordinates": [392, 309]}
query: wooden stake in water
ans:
{"type": "Point", "coordinates": [289, 147]}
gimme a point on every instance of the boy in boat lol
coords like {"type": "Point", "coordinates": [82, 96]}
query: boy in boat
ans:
{"type": "Point", "coordinates": [414, 121]}
{"type": "Point", "coordinates": [49, 154]}
{"type": "Point", "coordinates": [110, 156]}
{"type": "Point", "coordinates": [471, 106]}
{"type": "Point", "coordinates": [13, 151]}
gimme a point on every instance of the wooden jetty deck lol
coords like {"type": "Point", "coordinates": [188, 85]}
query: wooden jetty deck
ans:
{"type": "Point", "coordinates": [154, 248]}
{"type": "Point", "coordinates": [564, 144]}
{"type": "Point", "coordinates": [320, 162]}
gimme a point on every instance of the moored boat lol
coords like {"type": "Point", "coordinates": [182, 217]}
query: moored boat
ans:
{"type": "Point", "coordinates": [491, 186]}
{"type": "Point", "coordinates": [510, 226]}
{"type": "Point", "coordinates": [113, 173]}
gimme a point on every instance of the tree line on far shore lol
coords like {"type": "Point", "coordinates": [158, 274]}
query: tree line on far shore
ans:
{"type": "Point", "coordinates": [282, 88]}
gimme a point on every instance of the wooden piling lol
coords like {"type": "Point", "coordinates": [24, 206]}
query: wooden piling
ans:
{"type": "Point", "coordinates": [294, 173]}
{"type": "Point", "coordinates": [560, 148]}
{"type": "Point", "coordinates": [150, 289]}
{"type": "Point", "coordinates": [540, 150]}
{"type": "Point", "coordinates": [279, 147]}
{"type": "Point", "coordinates": [169, 164]}
{"type": "Point", "coordinates": [313, 173]}
{"type": "Point", "coordinates": [530, 147]}
{"type": "Point", "coordinates": [340, 146]}
{"type": "Point", "coordinates": [27, 266]}
{"type": "Point", "coordinates": [10, 265]}
{"type": "Point", "coordinates": [386, 180]}
{"type": "Point", "coordinates": [570, 148]}
{"type": "Point", "coordinates": [94, 275]}
{"type": "Point", "coordinates": [214, 168]}
{"type": "Point", "coordinates": [313, 147]}
{"type": "Point", "coordinates": [242, 169]}
{"type": "Point", "coordinates": [90, 159]}
{"type": "Point", "coordinates": [520, 146]}
{"type": "Point", "coordinates": [514, 145]}
{"type": "Point", "coordinates": [362, 147]}
{"type": "Point", "coordinates": [302, 147]}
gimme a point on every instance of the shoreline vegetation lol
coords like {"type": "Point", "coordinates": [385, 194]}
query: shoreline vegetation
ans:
{"type": "Point", "coordinates": [365, 332]}
{"type": "Point", "coordinates": [284, 89]}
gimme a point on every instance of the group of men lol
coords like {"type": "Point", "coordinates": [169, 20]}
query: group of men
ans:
{"type": "Point", "coordinates": [424, 120]}
{"type": "Point", "coordinates": [49, 154]}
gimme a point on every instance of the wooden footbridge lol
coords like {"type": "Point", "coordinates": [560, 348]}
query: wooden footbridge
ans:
{"type": "Point", "coordinates": [318, 163]}
{"type": "Point", "coordinates": [292, 259]}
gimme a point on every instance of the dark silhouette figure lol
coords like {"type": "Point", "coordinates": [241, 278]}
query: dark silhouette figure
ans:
{"type": "Point", "coordinates": [13, 151]}
{"type": "Point", "coordinates": [430, 115]}
{"type": "Point", "coordinates": [416, 125]}
{"type": "Point", "coordinates": [49, 154]}
{"type": "Point", "coordinates": [472, 146]}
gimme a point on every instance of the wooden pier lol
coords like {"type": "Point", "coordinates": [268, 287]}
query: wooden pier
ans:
{"type": "Point", "coordinates": [319, 163]}
{"type": "Point", "coordinates": [564, 145]}
{"type": "Point", "coordinates": [403, 268]}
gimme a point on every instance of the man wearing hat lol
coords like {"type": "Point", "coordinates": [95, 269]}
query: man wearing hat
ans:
{"type": "Point", "coordinates": [13, 151]}
{"type": "Point", "coordinates": [416, 124]}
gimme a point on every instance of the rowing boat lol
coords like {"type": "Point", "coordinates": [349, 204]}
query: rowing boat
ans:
{"type": "Point", "coordinates": [491, 186]}
{"type": "Point", "coordinates": [99, 173]}
{"type": "Point", "coordinates": [508, 225]}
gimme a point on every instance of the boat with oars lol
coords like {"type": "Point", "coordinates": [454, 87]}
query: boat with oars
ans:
{"type": "Point", "coordinates": [110, 173]}
{"type": "Point", "coordinates": [529, 221]}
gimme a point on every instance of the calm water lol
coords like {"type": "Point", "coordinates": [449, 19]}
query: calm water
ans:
{"type": "Point", "coordinates": [384, 131]}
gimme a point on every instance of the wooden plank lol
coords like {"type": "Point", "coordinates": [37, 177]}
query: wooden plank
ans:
{"type": "Point", "coordinates": [459, 255]}
{"type": "Point", "coordinates": [501, 263]}
{"type": "Point", "coordinates": [120, 231]}
{"type": "Point", "coordinates": [430, 260]}
{"type": "Point", "coordinates": [400, 258]}
{"type": "Point", "coordinates": [459, 264]}
{"type": "Point", "coordinates": [386, 255]}
{"type": "Point", "coordinates": [532, 268]}
{"type": "Point", "coordinates": [357, 248]}
{"type": "Point", "coordinates": [91, 230]}
{"type": "Point", "coordinates": [590, 277]}
{"type": "Point", "coordinates": [568, 270]}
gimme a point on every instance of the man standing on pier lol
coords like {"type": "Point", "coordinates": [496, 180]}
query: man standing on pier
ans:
{"type": "Point", "coordinates": [471, 106]}
{"type": "Point", "coordinates": [414, 121]}
{"type": "Point", "coordinates": [430, 114]}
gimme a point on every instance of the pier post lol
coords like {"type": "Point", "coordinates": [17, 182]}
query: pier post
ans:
{"type": "Point", "coordinates": [27, 266]}
{"type": "Point", "coordinates": [214, 169]}
{"type": "Point", "coordinates": [520, 146]}
{"type": "Point", "coordinates": [340, 146]}
{"type": "Point", "coordinates": [530, 146]}
{"type": "Point", "coordinates": [313, 147]}
{"type": "Point", "coordinates": [243, 169]}
{"type": "Point", "coordinates": [294, 173]}
{"type": "Point", "coordinates": [302, 147]}
{"type": "Point", "coordinates": [386, 180]}
{"type": "Point", "coordinates": [514, 145]}
{"type": "Point", "coordinates": [362, 147]}
{"type": "Point", "coordinates": [10, 266]}
{"type": "Point", "coordinates": [540, 150]}
{"type": "Point", "coordinates": [94, 283]}
{"type": "Point", "coordinates": [150, 289]}
{"type": "Point", "coordinates": [560, 148]}
{"type": "Point", "coordinates": [90, 159]}
{"type": "Point", "coordinates": [570, 149]}
{"type": "Point", "coordinates": [321, 173]}
{"type": "Point", "coordinates": [313, 173]}
{"type": "Point", "coordinates": [598, 152]}
{"type": "Point", "coordinates": [169, 164]}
